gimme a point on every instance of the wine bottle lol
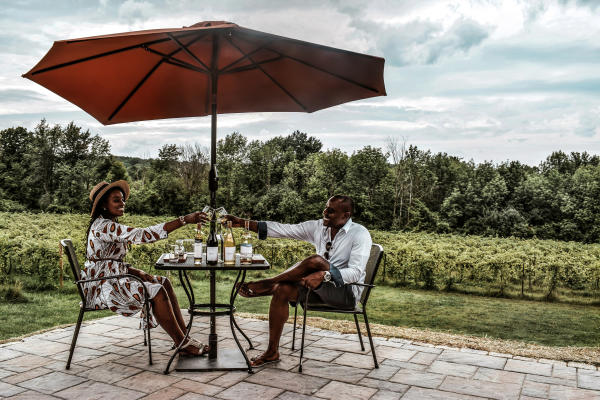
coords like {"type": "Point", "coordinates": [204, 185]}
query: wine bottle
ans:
{"type": "Point", "coordinates": [246, 245]}
{"type": "Point", "coordinates": [198, 244]}
{"type": "Point", "coordinates": [212, 245]}
{"type": "Point", "coordinates": [229, 245]}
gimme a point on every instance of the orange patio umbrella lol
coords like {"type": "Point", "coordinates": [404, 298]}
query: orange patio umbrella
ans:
{"type": "Point", "coordinates": [212, 67]}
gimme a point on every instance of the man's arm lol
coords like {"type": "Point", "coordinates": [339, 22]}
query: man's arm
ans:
{"type": "Point", "coordinates": [357, 263]}
{"type": "Point", "coordinates": [302, 231]}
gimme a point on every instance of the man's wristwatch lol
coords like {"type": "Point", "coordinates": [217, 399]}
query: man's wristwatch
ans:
{"type": "Point", "coordinates": [327, 276]}
{"type": "Point", "coordinates": [182, 220]}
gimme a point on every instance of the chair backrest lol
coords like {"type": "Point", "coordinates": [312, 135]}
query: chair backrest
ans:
{"type": "Point", "coordinates": [371, 270]}
{"type": "Point", "coordinates": [67, 244]}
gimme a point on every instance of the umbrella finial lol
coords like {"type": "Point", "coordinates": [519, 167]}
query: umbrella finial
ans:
{"type": "Point", "coordinates": [206, 24]}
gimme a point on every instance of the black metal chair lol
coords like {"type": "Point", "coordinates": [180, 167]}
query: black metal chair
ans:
{"type": "Point", "coordinates": [67, 244]}
{"type": "Point", "coordinates": [361, 306]}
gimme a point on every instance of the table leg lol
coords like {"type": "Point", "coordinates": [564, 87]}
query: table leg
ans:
{"type": "Point", "coordinates": [232, 322]}
{"type": "Point", "coordinates": [234, 293]}
{"type": "Point", "coordinates": [190, 295]}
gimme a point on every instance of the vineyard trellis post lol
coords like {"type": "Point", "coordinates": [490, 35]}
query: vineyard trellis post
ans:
{"type": "Point", "coordinates": [60, 263]}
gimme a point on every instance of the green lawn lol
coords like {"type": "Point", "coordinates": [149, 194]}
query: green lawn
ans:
{"type": "Point", "coordinates": [552, 324]}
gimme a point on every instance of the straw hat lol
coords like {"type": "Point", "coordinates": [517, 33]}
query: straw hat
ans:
{"type": "Point", "coordinates": [103, 187]}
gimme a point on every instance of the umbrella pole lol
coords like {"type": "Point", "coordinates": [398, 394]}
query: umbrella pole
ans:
{"type": "Point", "coordinates": [213, 184]}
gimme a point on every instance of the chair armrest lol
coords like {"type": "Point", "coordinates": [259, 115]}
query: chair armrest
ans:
{"type": "Point", "coordinates": [361, 284]}
{"type": "Point", "coordinates": [109, 277]}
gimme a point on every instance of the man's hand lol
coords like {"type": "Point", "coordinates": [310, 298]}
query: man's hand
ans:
{"type": "Point", "coordinates": [235, 221]}
{"type": "Point", "coordinates": [313, 280]}
{"type": "Point", "coordinates": [196, 217]}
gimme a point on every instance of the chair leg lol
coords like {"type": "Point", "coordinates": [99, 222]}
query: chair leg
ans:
{"type": "Point", "coordinates": [370, 338]}
{"type": "Point", "coordinates": [362, 346]}
{"type": "Point", "coordinates": [303, 332]}
{"type": "Point", "coordinates": [148, 329]}
{"type": "Point", "coordinates": [75, 334]}
{"type": "Point", "coordinates": [294, 330]}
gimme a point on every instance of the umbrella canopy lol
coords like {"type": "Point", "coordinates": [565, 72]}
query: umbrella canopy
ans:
{"type": "Point", "coordinates": [170, 73]}
{"type": "Point", "coordinates": [208, 68]}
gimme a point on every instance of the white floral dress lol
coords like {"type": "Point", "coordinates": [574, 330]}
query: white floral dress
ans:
{"type": "Point", "coordinates": [106, 248]}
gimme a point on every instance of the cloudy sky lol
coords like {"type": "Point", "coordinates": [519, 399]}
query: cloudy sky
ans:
{"type": "Point", "coordinates": [480, 79]}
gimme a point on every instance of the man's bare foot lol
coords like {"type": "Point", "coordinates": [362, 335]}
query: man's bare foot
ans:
{"type": "Point", "coordinates": [254, 289]}
{"type": "Point", "coordinates": [264, 359]}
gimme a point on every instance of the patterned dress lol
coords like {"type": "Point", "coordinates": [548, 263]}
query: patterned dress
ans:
{"type": "Point", "coordinates": [106, 248]}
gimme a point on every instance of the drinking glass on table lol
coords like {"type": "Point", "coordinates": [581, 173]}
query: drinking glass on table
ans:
{"type": "Point", "coordinates": [174, 253]}
{"type": "Point", "coordinates": [180, 250]}
{"type": "Point", "coordinates": [188, 246]}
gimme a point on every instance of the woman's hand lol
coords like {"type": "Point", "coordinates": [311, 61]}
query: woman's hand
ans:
{"type": "Point", "coordinates": [192, 218]}
{"type": "Point", "coordinates": [196, 217]}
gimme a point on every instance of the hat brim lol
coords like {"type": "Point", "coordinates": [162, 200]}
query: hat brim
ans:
{"type": "Point", "coordinates": [123, 185]}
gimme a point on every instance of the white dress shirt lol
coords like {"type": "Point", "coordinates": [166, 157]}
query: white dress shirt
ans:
{"type": "Point", "coordinates": [349, 252]}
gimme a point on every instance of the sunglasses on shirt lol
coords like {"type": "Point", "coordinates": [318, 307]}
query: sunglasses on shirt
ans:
{"type": "Point", "coordinates": [327, 248]}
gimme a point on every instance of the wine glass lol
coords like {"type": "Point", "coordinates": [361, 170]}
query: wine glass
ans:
{"type": "Point", "coordinates": [221, 213]}
{"type": "Point", "coordinates": [209, 211]}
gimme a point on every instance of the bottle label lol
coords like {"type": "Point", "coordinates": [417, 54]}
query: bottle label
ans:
{"type": "Point", "coordinates": [198, 250]}
{"type": "Point", "coordinates": [245, 249]}
{"type": "Point", "coordinates": [229, 253]}
{"type": "Point", "coordinates": [212, 253]}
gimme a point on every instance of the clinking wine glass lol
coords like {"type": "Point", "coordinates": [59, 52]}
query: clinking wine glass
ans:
{"type": "Point", "coordinates": [209, 211]}
{"type": "Point", "coordinates": [221, 213]}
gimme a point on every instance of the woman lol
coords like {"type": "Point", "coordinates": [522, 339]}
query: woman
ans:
{"type": "Point", "coordinates": [107, 242]}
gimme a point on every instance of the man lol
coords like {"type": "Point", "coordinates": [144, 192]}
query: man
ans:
{"type": "Point", "coordinates": [342, 250]}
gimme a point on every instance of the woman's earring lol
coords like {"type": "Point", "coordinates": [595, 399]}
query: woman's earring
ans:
{"type": "Point", "coordinates": [103, 208]}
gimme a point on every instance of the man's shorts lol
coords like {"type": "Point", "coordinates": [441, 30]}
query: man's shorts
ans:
{"type": "Point", "coordinates": [337, 297]}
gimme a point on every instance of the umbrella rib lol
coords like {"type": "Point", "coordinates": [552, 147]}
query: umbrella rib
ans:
{"type": "Point", "coordinates": [189, 53]}
{"type": "Point", "coordinates": [224, 69]}
{"type": "Point", "coordinates": [249, 67]}
{"type": "Point", "coordinates": [107, 53]}
{"type": "Point", "coordinates": [175, 61]}
{"type": "Point", "coordinates": [135, 89]}
{"type": "Point", "coordinates": [186, 66]}
{"type": "Point", "coordinates": [326, 72]}
{"type": "Point", "coordinates": [166, 57]}
{"type": "Point", "coordinates": [270, 77]}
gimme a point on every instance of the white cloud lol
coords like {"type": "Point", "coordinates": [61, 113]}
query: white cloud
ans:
{"type": "Point", "coordinates": [481, 79]}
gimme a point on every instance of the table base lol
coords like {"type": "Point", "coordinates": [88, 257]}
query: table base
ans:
{"type": "Point", "coordinates": [227, 360]}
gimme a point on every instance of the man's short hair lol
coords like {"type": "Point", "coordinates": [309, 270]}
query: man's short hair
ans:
{"type": "Point", "coordinates": [346, 201]}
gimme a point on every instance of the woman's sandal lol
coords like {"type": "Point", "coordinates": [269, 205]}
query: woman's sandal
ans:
{"type": "Point", "coordinates": [261, 360]}
{"type": "Point", "coordinates": [195, 348]}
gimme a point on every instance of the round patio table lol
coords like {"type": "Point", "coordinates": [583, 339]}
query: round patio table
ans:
{"type": "Point", "coordinates": [217, 360]}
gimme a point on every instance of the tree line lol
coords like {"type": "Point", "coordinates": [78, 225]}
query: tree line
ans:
{"type": "Point", "coordinates": [288, 178]}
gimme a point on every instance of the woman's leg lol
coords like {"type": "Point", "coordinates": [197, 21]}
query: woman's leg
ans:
{"type": "Point", "coordinates": [169, 291]}
{"type": "Point", "coordinates": [175, 304]}
{"type": "Point", "coordinates": [165, 316]}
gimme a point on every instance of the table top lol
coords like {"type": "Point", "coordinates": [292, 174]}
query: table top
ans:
{"type": "Point", "coordinates": [189, 265]}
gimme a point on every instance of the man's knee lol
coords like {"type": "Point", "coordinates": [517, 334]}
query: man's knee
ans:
{"type": "Point", "coordinates": [285, 291]}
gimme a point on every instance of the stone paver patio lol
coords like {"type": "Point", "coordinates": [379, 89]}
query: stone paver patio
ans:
{"type": "Point", "coordinates": [110, 362]}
